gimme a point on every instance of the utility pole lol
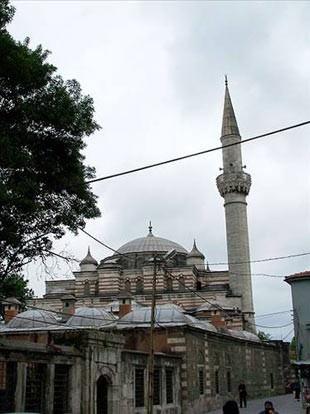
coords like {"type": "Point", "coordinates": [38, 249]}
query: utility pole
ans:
{"type": "Point", "coordinates": [150, 383]}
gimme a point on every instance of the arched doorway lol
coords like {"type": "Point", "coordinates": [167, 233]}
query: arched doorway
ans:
{"type": "Point", "coordinates": [103, 395]}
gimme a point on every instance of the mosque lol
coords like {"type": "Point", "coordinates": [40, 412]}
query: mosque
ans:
{"type": "Point", "coordinates": [183, 278]}
{"type": "Point", "coordinates": [85, 347]}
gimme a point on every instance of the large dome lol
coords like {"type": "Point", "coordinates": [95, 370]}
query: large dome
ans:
{"type": "Point", "coordinates": [150, 243]}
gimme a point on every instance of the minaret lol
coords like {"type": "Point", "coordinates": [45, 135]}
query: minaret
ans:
{"type": "Point", "coordinates": [234, 185]}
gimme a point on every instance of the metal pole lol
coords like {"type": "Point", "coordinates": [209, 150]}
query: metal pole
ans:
{"type": "Point", "coordinates": [150, 384]}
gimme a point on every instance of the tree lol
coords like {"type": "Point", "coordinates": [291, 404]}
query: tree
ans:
{"type": "Point", "coordinates": [43, 179]}
{"type": "Point", "coordinates": [263, 336]}
{"type": "Point", "coordinates": [15, 286]}
{"type": "Point", "coordinates": [293, 349]}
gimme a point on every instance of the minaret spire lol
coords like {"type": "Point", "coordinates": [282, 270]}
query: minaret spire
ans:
{"type": "Point", "coordinates": [234, 186]}
{"type": "Point", "coordinates": [229, 124]}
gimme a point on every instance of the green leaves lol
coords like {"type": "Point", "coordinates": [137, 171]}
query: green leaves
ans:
{"type": "Point", "coordinates": [43, 121]}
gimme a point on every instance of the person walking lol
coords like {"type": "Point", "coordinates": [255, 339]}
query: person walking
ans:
{"type": "Point", "coordinates": [269, 409]}
{"type": "Point", "coordinates": [242, 394]}
{"type": "Point", "coordinates": [230, 407]}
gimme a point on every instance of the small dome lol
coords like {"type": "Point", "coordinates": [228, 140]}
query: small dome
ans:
{"type": "Point", "coordinates": [166, 315]}
{"type": "Point", "coordinates": [88, 259]}
{"type": "Point", "coordinates": [90, 317]}
{"type": "Point", "coordinates": [202, 324]}
{"type": "Point", "coordinates": [150, 244]}
{"type": "Point", "coordinates": [195, 252]}
{"type": "Point", "coordinates": [33, 318]}
{"type": "Point", "coordinates": [249, 336]}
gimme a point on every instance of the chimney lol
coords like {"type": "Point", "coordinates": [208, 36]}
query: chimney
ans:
{"type": "Point", "coordinates": [218, 320]}
{"type": "Point", "coordinates": [11, 307]}
{"type": "Point", "coordinates": [68, 306]}
{"type": "Point", "coordinates": [124, 299]}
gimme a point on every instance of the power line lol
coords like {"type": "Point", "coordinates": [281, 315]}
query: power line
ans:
{"type": "Point", "coordinates": [193, 291]}
{"type": "Point", "coordinates": [183, 157]}
{"type": "Point", "coordinates": [273, 313]}
{"type": "Point", "coordinates": [68, 259]}
{"type": "Point", "coordinates": [262, 260]}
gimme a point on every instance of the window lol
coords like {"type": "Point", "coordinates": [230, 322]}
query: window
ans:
{"type": "Point", "coordinates": [227, 359]}
{"type": "Point", "coordinates": [198, 285]}
{"type": "Point", "coordinates": [157, 387]}
{"type": "Point", "coordinates": [139, 387]}
{"type": "Point", "coordinates": [271, 381]}
{"type": "Point", "coordinates": [86, 288]}
{"type": "Point", "coordinates": [201, 381]}
{"type": "Point", "coordinates": [217, 382]}
{"type": "Point", "coordinates": [2, 375]}
{"type": "Point", "coordinates": [8, 378]}
{"type": "Point", "coordinates": [181, 283]}
{"type": "Point", "coordinates": [139, 285]}
{"type": "Point", "coordinates": [61, 388]}
{"type": "Point", "coordinates": [169, 284]}
{"type": "Point", "coordinates": [228, 377]}
{"type": "Point", "coordinates": [35, 387]}
{"type": "Point", "coordinates": [127, 285]}
{"type": "Point", "coordinates": [169, 385]}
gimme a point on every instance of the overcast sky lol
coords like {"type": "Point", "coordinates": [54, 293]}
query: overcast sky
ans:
{"type": "Point", "coordinates": [156, 73]}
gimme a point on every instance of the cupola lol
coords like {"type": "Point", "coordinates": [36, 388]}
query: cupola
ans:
{"type": "Point", "coordinates": [196, 258]}
{"type": "Point", "coordinates": [88, 264]}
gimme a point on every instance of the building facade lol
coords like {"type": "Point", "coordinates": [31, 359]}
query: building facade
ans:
{"type": "Point", "coordinates": [93, 363]}
{"type": "Point", "coordinates": [187, 272]}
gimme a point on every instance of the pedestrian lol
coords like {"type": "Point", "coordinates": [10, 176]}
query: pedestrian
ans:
{"type": "Point", "coordinates": [242, 394]}
{"type": "Point", "coordinates": [297, 390]}
{"type": "Point", "coordinates": [269, 409]}
{"type": "Point", "coordinates": [230, 407]}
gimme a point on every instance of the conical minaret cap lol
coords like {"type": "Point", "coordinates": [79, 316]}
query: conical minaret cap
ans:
{"type": "Point", "coordinates": [195, 252]}
{"type": "Point", "coordinates": [229, 125]}
{"type": "Point", "coordinates": [89, 259]}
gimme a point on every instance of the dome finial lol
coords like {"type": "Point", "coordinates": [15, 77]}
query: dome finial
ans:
{"type": "Point", "coordinates": [150, 227]}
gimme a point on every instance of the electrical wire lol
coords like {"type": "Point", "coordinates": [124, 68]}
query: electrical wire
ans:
{"type": "Point", "coordinates": [273, 313]}
{"type": "Point", "coordinates": [195, 292]}
{"type": "Point", "coordinates": [192, 291]}
{"type": "Point", "coordinates": [195, 154]}
{"type": "Point", "coordinates": [212, 264]}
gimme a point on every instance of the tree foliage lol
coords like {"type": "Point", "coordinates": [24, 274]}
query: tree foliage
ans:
{"type": "Point", "coordinates": [263, 336]}
{"type": "Point", "coordinates": [293, 349]}
{"type": "Point", "coordinates": [15, 286]}
{"type": "Point", "coordinates": [43, 178]}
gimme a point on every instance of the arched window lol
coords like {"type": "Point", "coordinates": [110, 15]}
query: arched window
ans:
{"type": "Point", "coordinates": [86, 288]}
{"type": "Point", "coordinates": [139, 285]}
{"type": "Point", "coordinates": [181, 283]}
{"type": "Point", "coordinates": [127, 285]}
{"type": "Point", "coordinates": [169, 284]}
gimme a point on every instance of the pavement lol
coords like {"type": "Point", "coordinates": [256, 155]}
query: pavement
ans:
{"type": "Point", "coordinates": [284, 404]}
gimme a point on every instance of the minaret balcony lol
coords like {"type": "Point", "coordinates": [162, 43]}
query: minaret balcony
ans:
{"type": "Point", "coordinates": [234, 182]}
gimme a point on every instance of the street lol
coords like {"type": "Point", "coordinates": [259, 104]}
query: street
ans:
{"type": "Point", "coordinates": [284, 404]}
